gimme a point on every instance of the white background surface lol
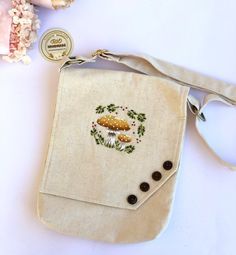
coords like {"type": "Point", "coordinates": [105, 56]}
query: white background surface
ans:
{"type": "Point", "coordinates": [200, 35]}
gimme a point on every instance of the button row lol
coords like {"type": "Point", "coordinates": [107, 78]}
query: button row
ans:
{"type": "Point", "coordinates": [144, 186]}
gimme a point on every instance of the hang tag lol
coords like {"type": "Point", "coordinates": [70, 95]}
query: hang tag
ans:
{"type": "Point", "coordinates": [55, 44]}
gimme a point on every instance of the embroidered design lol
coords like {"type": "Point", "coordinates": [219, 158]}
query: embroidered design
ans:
{"type": "Point", "coordinates": [118, 133]}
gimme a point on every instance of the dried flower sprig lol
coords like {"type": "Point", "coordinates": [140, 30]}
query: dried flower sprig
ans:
{"type": "Point", "coordinates": [25, 24]}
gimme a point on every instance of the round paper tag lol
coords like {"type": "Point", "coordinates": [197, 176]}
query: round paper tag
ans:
{"type": "Point", "coordinates": [55, 44]}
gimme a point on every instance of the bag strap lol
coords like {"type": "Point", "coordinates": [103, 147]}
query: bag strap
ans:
{"type": "Point", "coordinates": [219, 90]}
{"type": "Point", "coordinates": [155, 67]}
{"type": "Point", "coordinates": [208, 99]}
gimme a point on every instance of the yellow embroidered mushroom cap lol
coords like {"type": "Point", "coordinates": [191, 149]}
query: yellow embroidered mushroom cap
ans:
{"type": "Point", "coordinates": [113, 123]}
{"type": "Point", "coordinates": [124, 138]}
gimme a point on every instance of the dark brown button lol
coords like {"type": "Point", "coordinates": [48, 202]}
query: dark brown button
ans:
{"type": "Point", "coordinates": [156, 176]}
{"type": "Point", "coordinates": [132, 199]}
{"type": "Point", "coordinates": [167, 165]}
{"type": "Point", "coordinates": [144, 186]}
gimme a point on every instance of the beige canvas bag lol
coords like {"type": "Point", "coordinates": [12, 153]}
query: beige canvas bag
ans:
{"type": "Point", "coordinates": [115, 146]}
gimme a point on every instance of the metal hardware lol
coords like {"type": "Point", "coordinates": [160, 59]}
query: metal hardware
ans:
{"type": "Point", "coordinates": [71, 61]}
{"type": "Point", "coordinates": [99, 52]}
{"type": "Point", "coordinates": [196, 111]}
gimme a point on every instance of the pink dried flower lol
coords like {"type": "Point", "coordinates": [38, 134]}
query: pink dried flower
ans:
{"type": "Point", "coordinates": [25, 24]}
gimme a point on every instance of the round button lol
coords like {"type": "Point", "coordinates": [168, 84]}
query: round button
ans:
{"type": "Point", "coordinates": [132, 199]}
{"type": "Point", "coordinates": [156, 176]}
{"type": "Point", "coordinates": [144, 186]}
{"type": "Point", "coordinates": [167, 165]}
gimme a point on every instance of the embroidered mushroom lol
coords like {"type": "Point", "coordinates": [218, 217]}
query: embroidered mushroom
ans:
{"type": "Point", "coordinates": [114, 126]}
{"type": "Point", "coordinates": [124, 139]}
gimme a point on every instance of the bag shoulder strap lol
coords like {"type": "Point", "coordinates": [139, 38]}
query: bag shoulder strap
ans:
{"type": "Point", "coordinates": [219, 90]}
{"type": "Point", "coordinates": [152, 66]}
{"type": "Point", "coordinates": [207, 100]}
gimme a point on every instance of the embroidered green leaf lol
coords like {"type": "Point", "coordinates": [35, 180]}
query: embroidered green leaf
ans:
{"type": "Point", "coordinates": [112, 108]}
{"type": "Point", "coordinates": [141, 130]}
{"type": "Point", "coordinates": [118, 146]}
{"type": "Point", "coordinates": [93, 131]}
{"type": "Point", "coordinates": [108, 145]}
{"type": "Point", "coordinates": [100, 139]}
{"type": "Point", "coordinates": [129, 149]}
{"type": "Point", "coordinates": [141, 117]}
{"type": "Point", "coordinates": [100, 109]}
{"type": "Point", "coordinates": [132, 114]}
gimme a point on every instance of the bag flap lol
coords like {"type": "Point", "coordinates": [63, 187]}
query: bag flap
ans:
{"type": "Point", "coordinates": [116, 136]}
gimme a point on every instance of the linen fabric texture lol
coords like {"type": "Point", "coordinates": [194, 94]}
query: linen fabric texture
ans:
{"type": "Point", "coordinates": [86, 186]}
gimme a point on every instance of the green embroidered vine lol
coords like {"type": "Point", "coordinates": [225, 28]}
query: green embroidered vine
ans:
{"type": "Point", "coordinates": [98, 137]}
{"type": "Point", "coordinates": [100, 109]}
{"type": "Point", "coordinates": [141, 130]}
{"type": "Point", "coordinates": [112, 108]}
{"type": "Point", "coordinates": [132, 114]}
